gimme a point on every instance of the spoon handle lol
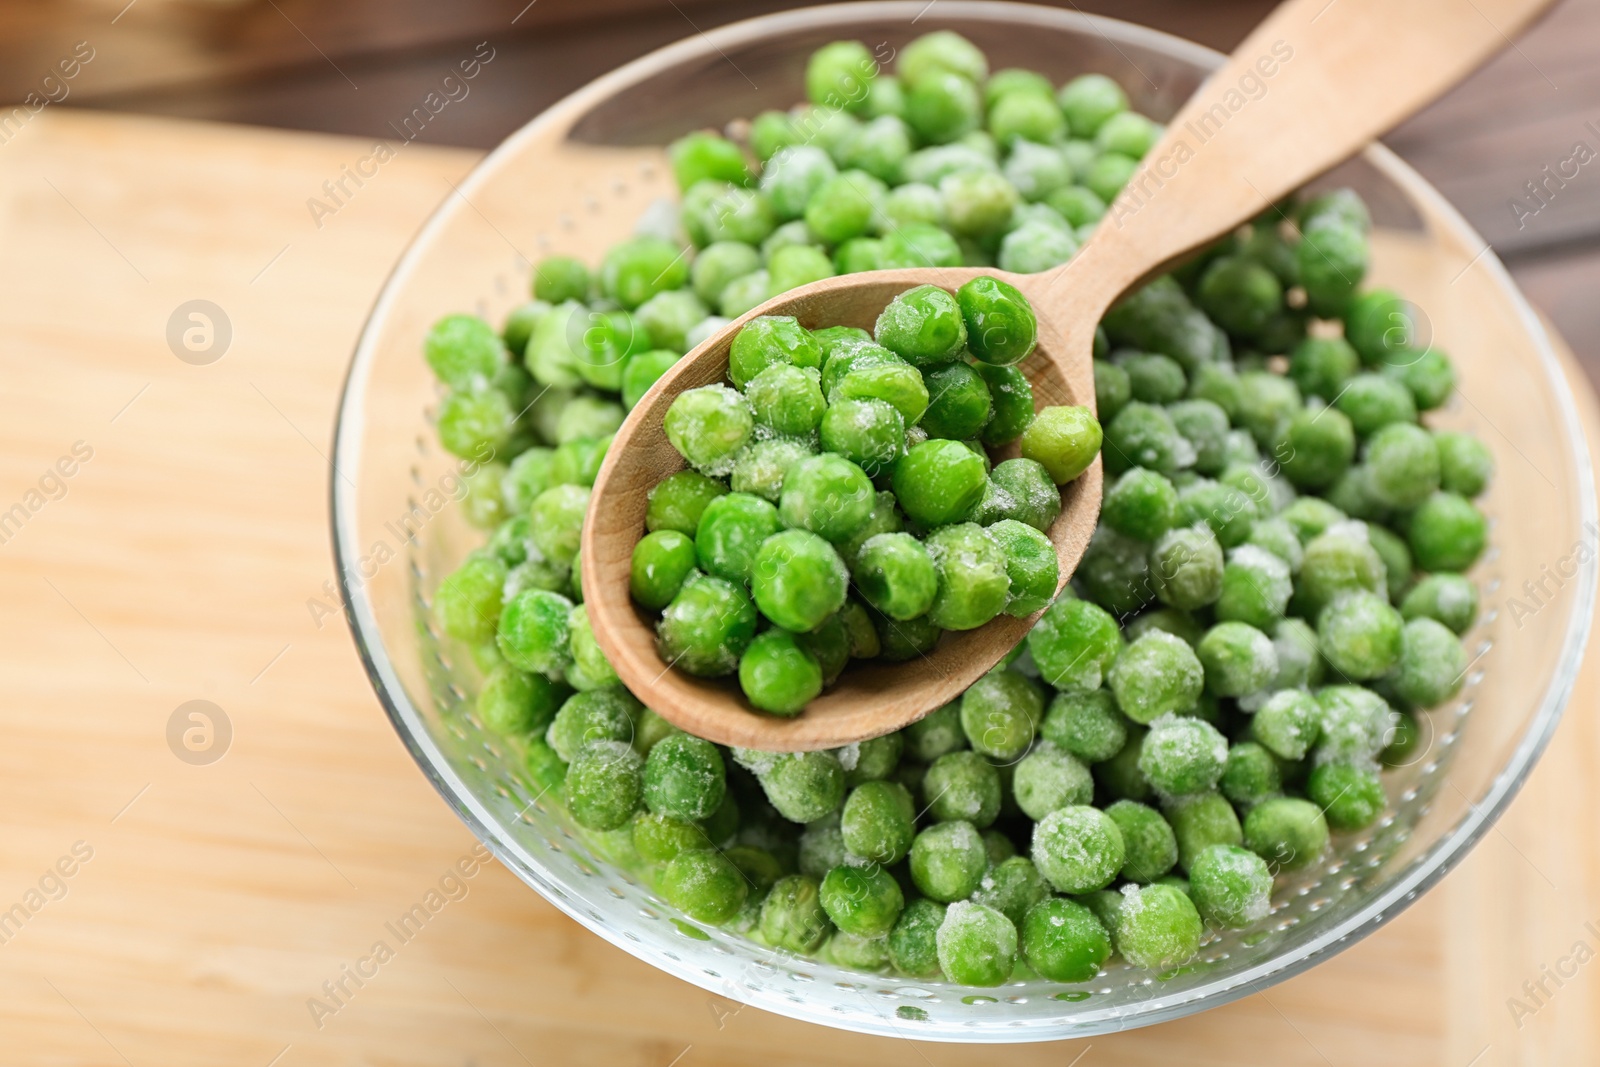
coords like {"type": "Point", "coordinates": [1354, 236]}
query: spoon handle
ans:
{"type": "Point", "coordinates": [1310, 87]}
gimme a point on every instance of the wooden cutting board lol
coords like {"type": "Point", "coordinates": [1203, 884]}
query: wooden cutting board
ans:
{"type": "Point", "coordinates": [186, 558]}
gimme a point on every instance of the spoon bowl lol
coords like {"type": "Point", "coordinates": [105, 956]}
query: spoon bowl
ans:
{"type": "Point", "coordinates": [1306, 90]}
{"type": "Point", "coordinates": [871, 698]}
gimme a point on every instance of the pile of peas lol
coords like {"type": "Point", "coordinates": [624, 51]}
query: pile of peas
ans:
{"type": "Point", "coordinates": [857, 460]}
{"type": "Point", "coordinates": [1273, 598]}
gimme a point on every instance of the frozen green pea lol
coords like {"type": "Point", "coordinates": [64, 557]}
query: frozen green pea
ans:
{"type": "Point", "coordinates": [513, 702]}
{"type": "Point", "coordinates": [667, 318]}
{"type": "Point", "coordinates": [1088, 101]}
{"type": "Point", "coordinates": [637, 269]}
{"type": "Point", "coordinates": [1198, 822]}
{"type": "Point", "coordinates": [857, 953]}
{"type": "Point", "coordinates": [1011, 397]}
{"type": "Point", "coordinates": [778, 672]}
{"type": "Point", "coordinates": [1158, 927]}
{"type": "Point", "coordinates": [1155, 675]}
{"type": "Point", "coordinates": [1351, 796]}
{"type": "Point", "coordinates": [1186, 567]}
{"type": "Point", "coordinates": [1115, 572]}
{"type": "Point", "coordinates": [829, 643]}
{"type": "Point", "coordinates": [1404, 738]}
{"type": "Point", "coordinates": [1238, 659]}
{"type": "Point", "coordinates": [900, 641]}
{"type": "Point", "coordinates": [1153, 378]}
{"type": "Point", "coordinates": [642, 371]}
{"type": "Point", "coordinates": [942, 106]}
{"type": "Point", "coordinates": [1079, 205]}
{"type": "Point", "coordinates": [1337, 561]}
{"type": "Point", "coordinates": [869, 433]}
{"type": "Point", "coordinates": [1331, 260]}
{"type": "Point", "coordinates": [858, 254]}
{"type": "Point", "coordinates": [797, 265]}
{"type": "Point", "coordinates": [1183, 756]}
{"type": "Point", "coordinates": [864, 901]}
{"type": "Point", "coordinates": [557, 279]}
{"type": "Point", "coordinates": [827, 495]}
{"type": "Point", "coordinates": [1031, 566]}
{"type": "Point", "coordinates": [1000, 713]}
{"type": "Point", "coordinates": [913, 203]}
{"type": "Point", "coordinates": [1432, 664]}
{"type": "Point", "coordinates": [786, 398]}
{"type": "Point", "coordinates": [1448, 598]}
{"type": "Point", "coordinates": [767, 340]}
{"type": "Point", "coordinates": [1023, 490]}
{"type": "Point", "coordinates": [1151, 849]}
{"type": "Point", "coordinates": [718, 265]}
{"type": "Point", "coordinates": [731, 531]}
{"type": "Point", "coordinates": [684, 778]}
{"type": "Point", "coordinates": [1314, 447]}
{"type": "Point", "coordinates": [658, 838]}
{"type": "Point", "coordinates": [1048, 778]}
{"type": "Point", "coordinates": [977, 945]}
{"type": "Point", "coordinates": [948, 861]}
{"type": "Point", "coordinates": [792, 176]}
{"type": "Point", "coordinates": [555, 521]}
{"type": "Point", "coordinates": [760, 468]}
{"type": "Point", "coordinates": [701, 155]}
{"type": "Point", "coordinates": [1341, 204]}
{"type": "Point", "coordinates": [1140, 504]}
{"type": "Point", "coordinates": [577, 462]}
{"type": "Point", "coordinates": [678, 501]}
{"type": "Point", "coordinates": [1288, 724]}
{"type": "Point", "coordinates": [798, 580]}
{"type": "Point", "coordinates": [998, 846]}
{"type": "Point", "coordinates": [879, 822]}
{"type": "Point", "coordinates": [468, 602]}
{"type": "Point", "coordinates": [1112, 391]}
{"type": "Point", "coordinates": [920, 244]}
{"type": "Point", "coordinates": [1204, 424]}
{"type": "Point", "coordinates": [1064, 941]}
{"type": "Point", "coordinates": [1321, 366]}
{"type": "Point", "coordinates": [838, 75]}
{"type": "Point", "coordinates": [876, 758]}
{"type": "Point", "coordinates": [843, 206]}
{"type": "Point", "coordinates": [974, 583]}
{"type": "Point", "coordinates": [1250, 776]}
{"type": "Point", "coordinates": [533, 633]}
{"type": "Point", "coordinates": [1360, 635]}
{"type": "Point", "coordinates": [709, 425]}
{"type": "Point", "coordinates": [1143, 435]}
{"type": "Point", "coordinates": [896, 575]}
{"type": "Point", "coordinates": [962, 786]}
{"type": "Point", "coordinates": [1447, 533]}
{"type": "Point", "coordinates": [603, 785]}
{"type": "Point", "coordinates": [892, 380]}
{"type": "Point", "coordinates": [1078, 849]}
{"type": "Point", "coordinates": [1288, 832]}
{"type": "Point", "coordinates": [1428, 374]}
{"type": "Point", "coordinates": [1355, 724]}
{"type": "Point", "coordinates": [804, 786]}
{"type": "Point", "coordinates": [706, 627]}
{"type": "Point", "coordinates": [593, 715]}
{"type": "Point", "coordinates": [1373, 401]}
{"type": "Point", "coordinates": [1012, 887]}
{"type": "Point", "coordinates": [935, 734]}
{"type": "Point", "coordinates": [959, 404]}
{"type": "Point", "coordinates": [939, 481]}
{"type": "Point", "coordinates": [705, 885]}
{"type": "Point", "coordinates": [1035, 169]}
{"type": "Point", "coordinates": [1227, 510]}
{"type": "Point", "coordinates": [714, 211]}
{"type": "Point", "coordinates": [475, 422]}
{"type": "Point", "coordinates": [1230, 886]}
{"type": "Point", "coordinates": [1380, 325]}
{"type": "Point", "coordinates": [590, 669]}
{"type": "Point", "coordinates": [1064, 439]}
{"type": "Point", "coordinates": [1074, 643]}
{"type": "Point", "coordinates": [1086, 723]}
{"type": "Point", "coordinates": [1396, 556]}
{"type": "Point", "coordinates": [792, 916]}
{"type": "Point", "coordinates": [885, 519]}
{"type": "Point", "coordinates": [978, 203]}
{"type": "Point", "coordinates": [1256, 586]}
{"type": "Point", "coordinates": [913, 943]}
{"type": "Point", "coordinates": [1026, 117]}
{"type": "Point", "coordinates": [463, 351]}
{"type": "Point", "coordinates": [923, 326]}
{"type": "Point", "coordinates": [1035, 247]}
{"type": "Point", "coordinates": [1239, 294]}
{"type": "Point", "coordinates": [1465, 463]}
{"type": "Point", "coordinates": [1403, 462]}
{"type": "Point", "coordinates": [1179, 624]}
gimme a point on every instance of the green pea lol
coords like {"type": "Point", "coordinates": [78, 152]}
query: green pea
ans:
{"type": "Point", "coordinates": [1151, 848]}
{"type": "Point", "coordinates": [923, 326]}
{"type": "Point", "coordinates": [1063, 941]}
{"type": "Point", "coordinates": [1350, 796]}
{"type": "Point", "coordinates": [1447, 533]}
{"type": "Point", "coordinates": [1231, 886]}
{"type": "Point", "coordinates": [705, 885]}
{"type": "Point", "coordinates": [603, 785]}
{"type": "Point", "coordinates": [513, 702]}
{"type": "Point", "coordinates": [778, 675]}
{"type": "Point", "coordinates": [1078, 849]}
{"type": "Point", "coordinates": [792, 916]}
{"type": "Point", "coordinates": [700, 155]}
{"type": "Point", "coordinates": [709, 425]}
{"type": "Point", "coordinates": [798, 580]}
{"type": "Point", "coordinates": [1287, 832]}
{"type": "Point", "coordinates": [1238, 659]}
{"type": "Point", "coordinates": [942, 106]}
{"type": "Point", "coordinates": [879, 822]}
{"type": "Point", "coordinates": [557, 279]}
{"type": "Point", "coordinates": [1156, 674]}
{"type": "Point", "coordinates": [684, 778]}
{"type": "Point", "coordinates": [1448, 598]}
{"type": "Point", "coordinates": [827, 495]}
{"type": "Point", "coordinates": [706, 627]}
{"type": "Point", "coordinates": [804, 786]}
{"type": "Point", "coordinates": [1064, 439]}
{"type": "Point", "coordinates": [1380, 325]}
{"type": "Point", "coordinates": [468, 602]}
{"type": "Point", "coordinates": [948, 860]}
{"type": "Point", "coordinates": [939, 481]}
{"type": "Point", "coordinates": [678, 501]}
{"type": "Point", "coordinates": [979, 203]}
{"type": "Point", "coordinates": [868, 433]}
{"type": "Point", "coordinates": [1198, 822]}
{"type": "Point", "coordinates": [463, 351]}
{"type": "Point", "coordinates": [913, 943]}
{"type": "Point", "coordinates": [1183, 756]}
{"type": "Point", "coordinates": [959, 404]}
{"type": "Point", "coordinates": [1465, 463]}
{"type": "Point", "coordinates": [920, 245]}
{"type": "Point", "coordinates": [768, 340]}
{"type": "Point", "coordinates": [974, 583]}
{"type": "Point", "coordinates": [843, 206]}
{"type": "Point", "coordinates": [1332, 261]}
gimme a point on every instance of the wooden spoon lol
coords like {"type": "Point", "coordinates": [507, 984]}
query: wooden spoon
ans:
{"type": "Point", "coordinates": [1309, 88]}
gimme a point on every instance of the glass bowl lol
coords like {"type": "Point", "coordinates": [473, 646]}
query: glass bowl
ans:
{"type": "Point", "coordinates": [578, 177]}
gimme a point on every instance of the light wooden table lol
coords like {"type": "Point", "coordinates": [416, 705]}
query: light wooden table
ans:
{"type": "Point", "coordinates": [181, 562]}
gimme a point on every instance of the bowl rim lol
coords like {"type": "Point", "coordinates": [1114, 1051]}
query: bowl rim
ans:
{"type": "Point", "coordinates": [1424, 872]}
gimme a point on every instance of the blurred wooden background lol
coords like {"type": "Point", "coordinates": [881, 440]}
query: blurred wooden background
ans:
{"type": "Point", "coordinates": [354, 67]}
